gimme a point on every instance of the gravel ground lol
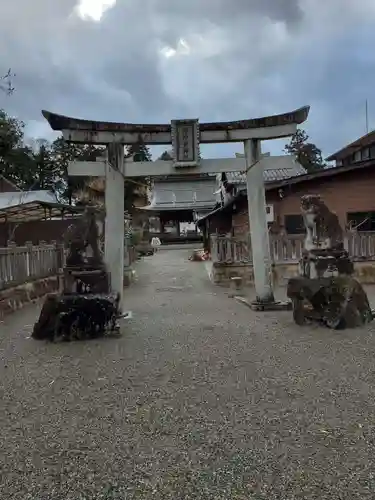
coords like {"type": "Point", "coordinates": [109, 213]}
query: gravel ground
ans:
{"type": "Point", "coordinates": [200, 398]}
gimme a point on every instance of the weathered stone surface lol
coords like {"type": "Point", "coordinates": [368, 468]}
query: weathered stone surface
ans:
{"type": "Point", "coordinates": [326, 261]}
{"type": "Point", "coordinates": [74, 317]}
{"type": "Point", "coordinates": [338, 302]}
{"type": "Point", "coordinates": [323, 230]}
{"type": "Point", "coordinates": [85, 308]}
{"type": "Point", "coordinates": [85, 271]}
{"type": "Point", "coordinates": [81, 236]}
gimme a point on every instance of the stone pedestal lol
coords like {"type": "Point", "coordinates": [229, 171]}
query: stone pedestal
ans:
{"type": "Point", "coordinates": [319, 263]}
{"type": "Point", "coordinates": [337, 302]}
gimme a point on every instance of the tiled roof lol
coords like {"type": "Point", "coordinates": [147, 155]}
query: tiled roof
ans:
{"type": "Point", "coordinates": [268, 175]}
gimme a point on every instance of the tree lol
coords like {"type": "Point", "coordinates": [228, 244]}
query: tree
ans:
{"type": "Point", "coordinates": [63, 152]}
{"type": "Point", "coordinates": [45, 171]}
{"type": "Point", "coordinates": [15, 157]}
{"type": "Point", "coordinates": [29, 166]}
{"type": "Point", "coordinates": [307, 153]}
{"type": "Point", "coordinates": [18, 167]}
{"type": "Point", "coordinates": [139, 152]}
{"type": "Point", "coordinates": [166, 156]}
{"type": "Point", "coordinates": [136, 188]}
{"type": "Point", "coordinates": [11, 134]}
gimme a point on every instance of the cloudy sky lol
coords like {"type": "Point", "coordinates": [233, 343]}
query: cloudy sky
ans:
{"type": "Point", "coordinates": [155, 60]}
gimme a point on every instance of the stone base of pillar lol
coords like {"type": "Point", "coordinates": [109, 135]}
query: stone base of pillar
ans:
{"type": "Point", "coordinates": [276, 305]}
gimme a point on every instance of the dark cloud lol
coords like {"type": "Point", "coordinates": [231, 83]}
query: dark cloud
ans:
{"type": "Point", "coordinates": [154, 60]}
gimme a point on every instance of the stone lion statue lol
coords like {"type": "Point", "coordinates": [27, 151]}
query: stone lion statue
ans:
{"type": "Point", "coordinates": [323, 230]}
{"type": "Point", "coordinates": [81, 236]}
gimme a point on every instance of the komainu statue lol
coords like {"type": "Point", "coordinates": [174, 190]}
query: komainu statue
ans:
{"type": "Point", "coordinates": [85, 308]}
{"type": "Point", "coordinates": [82, 236]}
{"type": "Point", "coordinates": [326, 290]}
{"type": "Point", "coordinates": [85, 269]}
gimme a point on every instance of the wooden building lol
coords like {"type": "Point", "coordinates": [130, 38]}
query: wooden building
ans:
{"type": "Point", "coordinates": [180, 199]}
{"type": "Point", "coordinates": [348, 189]}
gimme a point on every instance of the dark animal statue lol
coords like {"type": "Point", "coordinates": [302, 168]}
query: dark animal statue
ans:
{"type": "Point", "coordinates": [76, 317]}
{"type": "Point", "coordinates": [85, 308]}
{"type": "Point", "coordinates": [81, 236]}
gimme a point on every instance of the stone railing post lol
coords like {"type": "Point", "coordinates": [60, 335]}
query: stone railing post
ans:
{"type": "Point", "coordinates": [30, 263]}
{"type": "Point", "coordinates": [214, 250]}
{"type": "Point", "coordinates": [346, 243]}
{"type": "Point", "coordinates": [11, 261]}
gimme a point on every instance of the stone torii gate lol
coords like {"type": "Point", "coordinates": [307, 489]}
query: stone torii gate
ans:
{"type": "Point", "coordinates": [185, 137]}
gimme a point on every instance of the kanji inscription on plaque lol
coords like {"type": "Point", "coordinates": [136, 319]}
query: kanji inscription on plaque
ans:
{"type": "Point", "coordinates": [185, 142]}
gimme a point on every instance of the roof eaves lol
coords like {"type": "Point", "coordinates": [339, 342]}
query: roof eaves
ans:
{"type": "Point", "coordinates": [349, 148]}
{"type": "Point", "coordinates": [326, 172]}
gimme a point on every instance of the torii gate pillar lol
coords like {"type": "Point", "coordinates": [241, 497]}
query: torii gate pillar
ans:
{"type": "Point", "coordinates": [114, 218]}
{"type": "Point", "coordinates": [256, 200]}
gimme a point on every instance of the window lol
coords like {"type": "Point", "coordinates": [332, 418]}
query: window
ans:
{"type": "Point", "coordinates": [338, 163]}
{"type": "Point", "coordinates": [357, 156]}
{"type": "Point", "coordinates": [268, 209]}
{"type": "Point", "coordinates": [365, 154]}
{"type": "Point", "coordinates": [363, 221]}
{"type": "Point", "coordinates": [372, 152]}
{"type": "Point", "coordinates": [294, 224]}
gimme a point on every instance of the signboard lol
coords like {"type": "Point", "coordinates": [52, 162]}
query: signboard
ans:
{"type": "Point", "coordinates": [185, 143]}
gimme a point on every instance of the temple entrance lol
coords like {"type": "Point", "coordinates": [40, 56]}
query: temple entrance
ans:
{"type": "Point", "coordinates": [177, 203]}
{"type": "Point", "coordinates": [185, 137]}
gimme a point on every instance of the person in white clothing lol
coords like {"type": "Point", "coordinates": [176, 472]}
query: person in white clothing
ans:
{"type": "Point", "coordinates": [155, 243]}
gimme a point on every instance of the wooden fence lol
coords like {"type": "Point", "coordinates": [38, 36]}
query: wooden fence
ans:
{"type": "Point", "coordinates": [230, 250]}
{"type": "Point", "coordinates": [22, 264]}
{"type": "Point", "coordinates": [19, 265]}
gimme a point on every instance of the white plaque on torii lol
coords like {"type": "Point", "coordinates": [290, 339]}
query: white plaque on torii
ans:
{"type": "Point", "coordinates": [185, 138]}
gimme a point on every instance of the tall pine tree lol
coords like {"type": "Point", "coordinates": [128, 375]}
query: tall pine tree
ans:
{"type": "Point", "coordinates": [307, 153]}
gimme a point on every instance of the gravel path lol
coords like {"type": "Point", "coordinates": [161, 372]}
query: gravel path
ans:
{"type": "Point", "coordinates": [200, 398]}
